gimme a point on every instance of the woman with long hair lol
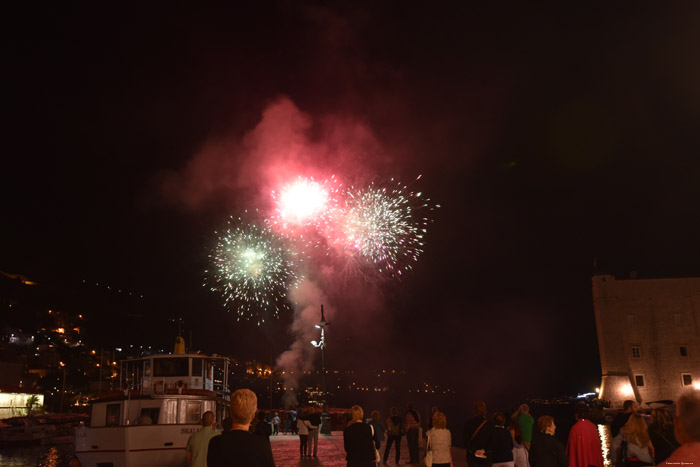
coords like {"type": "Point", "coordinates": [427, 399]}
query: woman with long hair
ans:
{"type": "Point", "coordinates": [440, 441]}
{"type": "Point", "coordinates": [632, 446]}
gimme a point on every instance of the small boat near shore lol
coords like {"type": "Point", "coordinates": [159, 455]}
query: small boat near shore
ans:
{"type": "Point", "coordinates": [160, 403]}
{"type": "Point", "coordinates": [39, 429]}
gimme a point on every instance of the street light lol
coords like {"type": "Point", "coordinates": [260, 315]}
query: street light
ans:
{"type": "Point", "coordinates": [325, 425]}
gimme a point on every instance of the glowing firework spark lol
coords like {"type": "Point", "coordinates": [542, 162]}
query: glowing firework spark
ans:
{"type": "Point", "coordinates": [383, 226]}
{"type": "Point", "coordinates": [305, 202]}
{"type": "Point", "coordinates": [253, 270]}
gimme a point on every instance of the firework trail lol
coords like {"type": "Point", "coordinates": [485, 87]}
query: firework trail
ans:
{"type": "Point", "coordinates": [253, 269]}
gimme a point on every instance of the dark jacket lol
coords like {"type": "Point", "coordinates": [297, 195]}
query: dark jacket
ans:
{"type": "Point", "coordinates": [482, 440]}
{"type": "Point", "coordinates": [240, 448]}
{"type": "Point", "coordinates": [359, 446]}
{"type": "Point", "coordinates": [502, 445]}
{"type": "Point", "coordinates": [547, 451]}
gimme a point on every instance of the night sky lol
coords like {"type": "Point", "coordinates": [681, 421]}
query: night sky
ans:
{"type": "Point", "coordinates": [559, 142]}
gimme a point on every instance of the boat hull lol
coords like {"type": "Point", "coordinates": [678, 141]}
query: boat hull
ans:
{"type": "Point", "coordinates": [133, 446]}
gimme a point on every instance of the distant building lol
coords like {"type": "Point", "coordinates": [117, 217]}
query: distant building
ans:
{"type": "Point", "coordinates": [649, 337]}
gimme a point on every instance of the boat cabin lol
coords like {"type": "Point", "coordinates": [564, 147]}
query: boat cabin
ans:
{"type": "Point", "coordinates": [165, 389]}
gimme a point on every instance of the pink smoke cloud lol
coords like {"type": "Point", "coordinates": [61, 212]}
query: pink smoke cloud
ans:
{"type": "Point", "coordinates": [285, 144]}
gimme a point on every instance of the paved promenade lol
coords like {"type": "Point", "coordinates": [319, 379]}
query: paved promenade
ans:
{"type": "Point", "coordinates": [285, 449]}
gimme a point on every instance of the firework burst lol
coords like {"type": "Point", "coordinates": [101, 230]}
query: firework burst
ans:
{"type": "Point", "coordinates": [384, 226]}
{"type": "Point", "coordinates": [252, 269]}
{"type": "Point", "coordinates": [305, 203]}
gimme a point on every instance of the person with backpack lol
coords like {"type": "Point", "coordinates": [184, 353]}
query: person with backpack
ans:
{"type": "Point", "coordinates": [412, 426]}
{"type": "Point", "coordinates": [394, 431]}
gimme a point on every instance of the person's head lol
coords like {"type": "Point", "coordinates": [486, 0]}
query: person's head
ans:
{"type": "Point", "coordinates": [439, 420]}
{"type": "Point", "coordinates": [208, 418]}
{"type": "Point", "coordinates": [244, 403]}
{"type": "Point", "coordinates": [686, 424]}
{"type": "Point", "coordinates": [480, 408]}
{"type": "Point", "coordinates": [524, 408]}
{"type": "Point", "coordinates": [356, 413]}
{"type": "Point", "coordinates": [375, 415]}
{"type": "Point", "coordinates": [410, 406]}
{"type": "Point", "coordinates": [629, 406]}
{"type": "Point", "coordinates": [660, 418]}
{"type": "Point", "coordinates": [580, 411]}
{"type": "Point", "coordinates": [635, 430]}
{"type": "Point", "coordinates": [394, 412]}
{"type": "Point", "coordinates": [546, 424]}
{"type": "Point", "coordinates": [261, 416]}
{"type": "Point", "coordinates": [499, 419]}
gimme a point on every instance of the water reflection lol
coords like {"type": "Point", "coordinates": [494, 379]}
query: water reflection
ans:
{"type": "Point", "coordinates": [605, 443]}
{"type": "Point", "coordinates": [42, 456]}
{"type": "Point", "coordinates": [51, 458]}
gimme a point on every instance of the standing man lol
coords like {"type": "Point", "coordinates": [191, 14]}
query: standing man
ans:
{"type": "Point", "coordinates": [478, 437]}
{"type": "Point", "coordinates": [293, 417]}
{"type": "Point", "coordinates": [628, 408]}
{"type": "Point", "coordinates": [198, 444]}
{"type": "Point", "coordinates": [239, 446]}
{"type": "Point", "coordinates": [583, 447]}
{"type": "Point", "coordinates": [525, 422]}
{"type": "Point", "coordinates": [411, 421]}
{"type": "Point", "coordinates": [686, 427]}
{"type": "Point", "coordinates": [315, 421]}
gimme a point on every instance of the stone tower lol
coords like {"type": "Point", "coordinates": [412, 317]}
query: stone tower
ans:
{"type": "Point", "coordinates": [649, 337]}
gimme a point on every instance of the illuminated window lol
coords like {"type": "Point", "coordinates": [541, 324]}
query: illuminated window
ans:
{"type": "Point", "coordinates": [687, 379]}
{"type": "Point", "coordinates": [684, 351]}
{"type": "Point", "coordinates": [112, 418]}
{"type": "Point", "coordinates": [636, 352]}
{"type": "Point", "coordinates": [639, 380]}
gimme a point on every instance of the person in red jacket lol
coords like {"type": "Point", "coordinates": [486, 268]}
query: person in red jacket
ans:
{"type": "Point", "coordinates": [583, 447]}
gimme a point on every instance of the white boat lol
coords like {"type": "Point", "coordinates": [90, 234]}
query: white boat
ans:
{"type": "Point", "coordinates": [149, 420]}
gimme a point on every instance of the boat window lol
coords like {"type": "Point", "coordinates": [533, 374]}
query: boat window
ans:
{"type": "Point", "coordinates": [149, 416]}
{"type": "Point", "coordinates": [112, 415]}
{"type": "Point", "coordinates": [171, 367]}
{"type": "Point", "coordinates": [197, 367]}
{"type": "Point", "coordinates": [194, 414]}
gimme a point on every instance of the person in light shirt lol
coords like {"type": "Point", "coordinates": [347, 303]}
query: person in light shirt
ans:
{"type": "Point", "coordinates": [198, 444]}
{"type": "Point", "coordinates": [440, 441]}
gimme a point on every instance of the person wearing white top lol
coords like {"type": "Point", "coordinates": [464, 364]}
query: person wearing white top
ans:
{"type": "Point", "coordinates": [440, 441]}
{"type": "Point", "coordinates": [303, 429]}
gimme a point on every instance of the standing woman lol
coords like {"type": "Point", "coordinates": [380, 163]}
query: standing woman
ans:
{"type": "Point", "coordinates": [394, 430]}
{"type": "Point", "coordinates": [440, 441]}
{"type": "Point", "coordinates": [303, 430]}
{"type": "Point", "coordinates": [502, 443]}
{"type": "Point", "coordinates": [358, 440]}
{"type": "Point", "coordinates": [632, 445]}
{"type": "Point", "coordinates": [379, 428]}
{"type": "Point", "coordinates": [546, 450]}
